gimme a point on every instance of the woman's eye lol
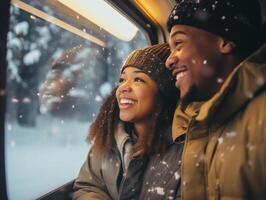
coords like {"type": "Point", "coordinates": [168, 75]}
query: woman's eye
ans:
{"type": "Point", "coordinates": [121, 80]}
{"type": "Point", "coordinates": [137, 79]}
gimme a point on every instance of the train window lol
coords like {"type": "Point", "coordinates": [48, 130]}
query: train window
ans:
{"type": "Point", "coordinates": [63, 59]}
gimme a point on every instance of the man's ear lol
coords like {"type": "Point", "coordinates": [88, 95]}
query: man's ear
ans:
{"type": "Point", "coordinates": [226, 46]}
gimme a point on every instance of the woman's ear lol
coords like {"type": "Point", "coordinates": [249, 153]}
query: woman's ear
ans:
{"type": "Point", "coordinates": [226, 46]}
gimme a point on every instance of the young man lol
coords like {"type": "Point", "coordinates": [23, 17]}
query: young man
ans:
{"type": "Point", "coordinates": [219, 62]}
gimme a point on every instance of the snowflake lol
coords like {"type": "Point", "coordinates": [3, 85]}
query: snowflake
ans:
{"type": "Point", "coordinates": [220, 140]}
{"type": "Point", "coordinates": [159, 190]}
{"type": "Point", "coordinates": [177, 176]}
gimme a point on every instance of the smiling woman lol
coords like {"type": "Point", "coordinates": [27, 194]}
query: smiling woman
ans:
{"type": "Point", "coordinates": [136, 96]}
{"type": "Point", "coordinates": [133, 124]}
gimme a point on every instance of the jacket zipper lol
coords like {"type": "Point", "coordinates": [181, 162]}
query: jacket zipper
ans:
{"type": "Point", "coordinates": [183, 153]}
{"type": "Point", "coordinates": [182, 164]}
{"type": "Point", "coordinates": [124, 171]}
{"type": "Point", "coordinates": [122, 183]}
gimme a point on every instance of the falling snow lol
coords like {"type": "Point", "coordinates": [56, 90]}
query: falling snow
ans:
{"type": "Point", "coordinates": [220, 140]}
{"type": "Point", "coordinates": [98, 98]}
{"type": "Point", "coordinates": [26, 100]}
{"type": "Point", "coordinates": [105, 89]}
{"type": "Point", "coordinates": [177, 176]}
{"type": "Point", "coordinates": [220, 80]}
{"type": "Point", "coordinates": [159, 190]}
{"type": "Point", "coordinates": [231, 134]}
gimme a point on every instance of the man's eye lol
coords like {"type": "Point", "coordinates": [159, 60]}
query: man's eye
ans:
{"type": "Point", "coordinates": [177, 43]}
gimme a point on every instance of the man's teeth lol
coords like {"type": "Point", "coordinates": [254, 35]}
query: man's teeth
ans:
{"type": "Point", "coordinates": [180, 75]}
{"type": "Point", "coordinates": [126, 101]}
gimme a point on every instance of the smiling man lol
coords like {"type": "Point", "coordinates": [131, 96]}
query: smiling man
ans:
{"type": "Point", "coordinates": [198, 62]}
{"type": "Point", "coordinates": [219, 62]}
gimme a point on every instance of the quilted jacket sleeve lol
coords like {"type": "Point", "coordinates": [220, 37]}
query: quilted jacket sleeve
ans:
{"type": "Point", "coordinates": [89, 184]}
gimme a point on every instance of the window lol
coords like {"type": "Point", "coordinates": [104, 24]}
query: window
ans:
{"type": "Point", "coordinates": [61, 65]}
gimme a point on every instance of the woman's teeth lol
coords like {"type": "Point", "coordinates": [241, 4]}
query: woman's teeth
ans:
{"type": "Point", "coordinates": [126, 101]}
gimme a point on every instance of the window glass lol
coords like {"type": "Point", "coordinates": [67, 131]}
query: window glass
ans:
{"type": "Point", "coordinates": [61, 66]}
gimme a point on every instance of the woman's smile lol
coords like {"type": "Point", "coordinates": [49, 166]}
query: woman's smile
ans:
{"type": "Point", "coordinates": [126, 103]}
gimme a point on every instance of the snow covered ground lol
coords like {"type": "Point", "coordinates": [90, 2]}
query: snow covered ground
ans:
{"type": "Point", "coordinates": [42, 158]}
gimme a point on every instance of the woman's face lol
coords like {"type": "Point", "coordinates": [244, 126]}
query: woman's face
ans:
{"type": "Point", "coordinates": [136, 96]}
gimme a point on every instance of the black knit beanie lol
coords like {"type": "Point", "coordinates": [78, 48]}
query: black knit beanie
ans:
{"type": "Point", "coordinates": [151, 60]}
{"type": "Point", "coordinates": [237, 20]}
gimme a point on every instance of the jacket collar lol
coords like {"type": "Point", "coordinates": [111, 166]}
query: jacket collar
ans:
{"type": "Point", "coordinates": [182, 119]}
{"type": "Point", "coordinates": [246, 81]}
{"type": "Point", "coordinates": [121, 137]}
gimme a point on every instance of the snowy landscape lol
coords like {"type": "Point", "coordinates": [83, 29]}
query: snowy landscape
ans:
{"type": "Point", "coordinates": [43, 158]}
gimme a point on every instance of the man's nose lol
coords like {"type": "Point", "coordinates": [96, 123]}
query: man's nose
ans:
{"type": "Point", "coordinates": [170, 62]}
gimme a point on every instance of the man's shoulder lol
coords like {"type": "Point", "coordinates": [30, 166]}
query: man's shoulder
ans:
{"type": "Point", "coordinates": [256, 108]}
{"type": "Point", "coordinates": [258, 101]}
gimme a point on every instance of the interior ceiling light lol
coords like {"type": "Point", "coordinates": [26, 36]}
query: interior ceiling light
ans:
{"type": "Point", "coordinates": [42, 15]}
{"type": "Point", "coordinates": [105, 16]}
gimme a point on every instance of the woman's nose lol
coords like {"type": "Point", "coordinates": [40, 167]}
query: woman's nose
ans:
{"type": "Point", "coordinates": [125, 87]}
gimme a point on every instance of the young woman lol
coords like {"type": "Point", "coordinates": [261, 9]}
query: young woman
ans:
{"type": "Point", "coordinates": [133, 124]}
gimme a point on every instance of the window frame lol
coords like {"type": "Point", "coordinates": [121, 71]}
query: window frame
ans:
{"type": "Point", "coordinates": [4, 9]}
{"type": "Point", "coordinates": [126, 7]}
{"type": "Point", "coordinates": [129, 9]}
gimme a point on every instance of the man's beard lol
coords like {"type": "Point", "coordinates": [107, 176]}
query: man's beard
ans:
{"type": "Point", "coordinates": [190, 97]}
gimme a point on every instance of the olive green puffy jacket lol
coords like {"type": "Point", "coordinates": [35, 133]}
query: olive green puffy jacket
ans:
{"type": "Point", "coordinates": [224, 156]}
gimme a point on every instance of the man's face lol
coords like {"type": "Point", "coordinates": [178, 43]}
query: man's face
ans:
{"type": "Point", "coordinates": [195, 62]}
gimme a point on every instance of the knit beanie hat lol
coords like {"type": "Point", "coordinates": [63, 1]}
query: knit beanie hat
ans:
{"type": "Point", "coordinates": [237, 20]}
{"type": "Point", "coordinates": [151, 60]}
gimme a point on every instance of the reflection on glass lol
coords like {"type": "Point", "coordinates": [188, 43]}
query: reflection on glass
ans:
{"type": "Point", "coordinates": [70, 89]}
{"type": "Point", "coordinates": [56, 81]}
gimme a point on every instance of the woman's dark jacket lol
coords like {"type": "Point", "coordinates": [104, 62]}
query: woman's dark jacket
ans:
{"type": "Point", "coordinates": [162, 177]}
